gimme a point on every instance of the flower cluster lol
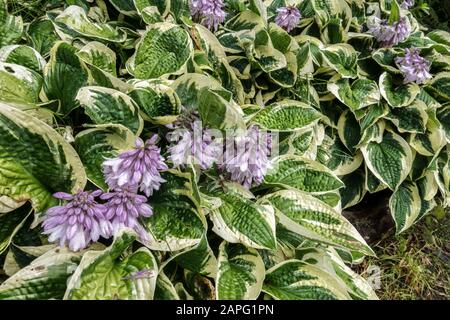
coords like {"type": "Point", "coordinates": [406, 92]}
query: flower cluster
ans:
{"type": "Point", "coordinates": [83, 220]}
{"type": "Point", "coordinates": [389, 35]}
{"type": "Point", "coordinates": [246, 157]}
{"type": "Point", "coordinates": [78, 222]}
{"type": "Point", "coordinates": [288, 17]}
{"type": "Point", "coordinates": [406, 4]}
{"type": "Point", "coordinates": [209, 12]}
{"type": "Point", "coordinates": [414, 67]}
{"type": "Point", "coordinates": [193, 144]}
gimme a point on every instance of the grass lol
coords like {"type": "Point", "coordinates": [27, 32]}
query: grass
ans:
{"type": "Point", "coordinates": [414, 265]}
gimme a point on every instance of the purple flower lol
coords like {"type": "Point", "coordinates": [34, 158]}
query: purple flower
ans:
{"type": "Point", "coordinates": [141, 274]}
{"type": "Point", "coordinates": [138, 167]}
{"type": "Point", "coordinates": [406, 4]}
{"type": "Point", "coordinates": [124, 208]}
{"type": "Point", "coordinates": [288, 17]}
{"type": "Point", "coordinates": [191, 143]}
{"type": "Point", "coordinates": [78, 222]}
{"type": "Point", "coordinates": [414, 67]}
{"type": "Point", "coordinates": [389, 35]}
{"type": "Point", "coordinates": [209, 12]}
{"type": "Point", "coordinates": [246, 157]}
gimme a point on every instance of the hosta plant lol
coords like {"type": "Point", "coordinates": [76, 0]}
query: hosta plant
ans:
{"type": "Point", "coordinates": [205, 149]}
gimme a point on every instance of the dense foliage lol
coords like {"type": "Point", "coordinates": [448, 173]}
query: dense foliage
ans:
{"type": "Point", "coordinates": [109, 191]}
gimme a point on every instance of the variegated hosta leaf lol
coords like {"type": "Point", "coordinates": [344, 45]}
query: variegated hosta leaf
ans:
{"type": "Point", "coordinates": [74, 22]}
{"type": "Point", "coordinates": [126, 7]}
{"type": "Point", "coordinates": [361, 93]}
{"type": "Point", "coordinates": [329, 260]}
{"type": "Point", "coordinates": [287, 76]}
{"type": "Point", "coordinates": [297, 280]}
{"type": "Point", "coordinates": [19, 84]}
{"type": "Point", "coordinates": [297, 172]}
{"type": "Point", "coordinates": [240, 220]}
{"type": "Point", "coordinates": [342, 162]}
{"type": "Point", "coordinates": [41, 35]}
{"type": "Point", "coordinates": [11, 27]}
{"type": "Point", "coordinates": [177, 222]}
{"type": "Point", "coordinates": [395, 93]}
{"type": "Point", "coordinates": [385, 57]}
{"type": "Point", "coordinates": [286, 115]}
{"type": "Point", "coordinates": [349, 131]}
{"type": "Point", "coordinates": [35, 160]}
{"type": "Point", "coordinates": [313, 219]}
{"type": "Point", "coordinates": [158, 102]}
{"type": "Point", "coordinates": [24, 56]}
{"type": "Point", "coordinates": [218, 59]}
{"type": "Point", "coordinates": [390, 160]}
{"type": "Point", "coordinates": [431, 141]}
{"type": "Point", "coordinates": [354, 190]}
{"type": "Point", "coordinates": [199, 258]}
{"type": "Point", "coordinates": [405, 205]}
{"type": "Point", "coordinates": [342, 58]}
{"type": "Point", "coordinates": [7, 204]}
{"type": "Point", "coordinates": [10, 223]}
{"type": "Point", "coordinates": [108, 275]}
{"type": "Point", "coordinates": [374, 113]}
{"type": "Point", "coordinates": [45, 278]}
{"type": "Point", "coordinates": [19, 257]}
{"type": "Point", "coordinates": [269, 59]}
{"type": "Point", "coordinates": [109, 106]}
{"type": "Point", "coordinates": [98, 55]}
{"type": "Point", "coordinates": [439, 86]}
{"type": "Point", "coordinates": [163, 50]}
{"type": "Point", "coordinates": [97, 144]}
{"type": "Point", "coordinates": [64, 75]}
{"type": "Point", "coordinates": [412, 118]}
{"type": "Point", "coordinates": [443, 115]}
{"type": "Point", "coordinates": [165, 290]}
{"type": "Point", "coordinates": [240, 273]}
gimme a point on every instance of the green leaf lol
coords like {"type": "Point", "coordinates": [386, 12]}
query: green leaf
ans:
{"type": "Point", "coordinates": [361, 93]}
{"type": "Point", "coordinates": [390, 160]}
{"type": "Point", "coordinates": [19, 84]}
{"type": "Point", "coordinates": [97, 144]}
{"type": "Point", "coordinates": [394, 16]}
{"type": "Point", "coordinates": [297, 280]}
{"type": "Point", "coordinates": [165, 290]}
{"type": "Point", "coordinates": [177, 222]}
{"type": "Point", "coordinates": [240, 220]}
{"type": "Point", "coordinates": [42, 36]}
{"type": "Point", "coordinates": [342, 58]}
{"type": "Point", "coordinates": [36, 161]}
{"type": "Point", "coordinates": [241, 273]}
{"type": "Point", "coordinates": [45, 278]}
{"type": "Point", "coordinates": [109, 106]}
{"type": "Point", "coordinates": [74, 22]}
{"type": "Point", "coordinates": [64, 75]}
{"type": "Point", "coordinates": [158, 102]}
{"type": "Point", "coordinates": [11, 27]}
{"type": "Point", "coordinates": [24, 56]}
{"type": "Point", "coordinates": [301, 173]}
{"type": "Point", "coordinates": [311, 218]}
{"type": "Point", "coordinates": [412, 118]}
{"type": "Point", "coordinates": [349, 131]}
{"type": "Point", "coordinates": [163, 50]}
{"type": "Point", "coordinates": [397, 94]}
{"type": "Point", "coordinates": [10, 223]}
{"type": "Point", "coordinates": [218, 113]}
{"type": "Point", "coordinates": [108, 275]}
{"type": "Point", "coordinates": [439, 86]}
{"type": "Point", "coordinates": [286, 115]}
{"type": "Point", "coordinates": [98, 55]}
{"type": "Point", "coordinates": [405, 206]}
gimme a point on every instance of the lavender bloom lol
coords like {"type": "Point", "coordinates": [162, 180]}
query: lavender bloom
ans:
{"type": "Point", "coordinates": [209, 12]}
{"type": "Point", "coordinates": [193, 144]}
{"type": "Point", "coordinates": [390, 35]}
{"type": "Point", "coordinates": [144, 273]}
{"type": "Point", "coordinates": [288, 17]}
{"type": "Point", "coordinates": [138, 167]}
{"type": "Point", "coordinates": [78, 222]}
{"type": "Point", "coordinates": [124, 208]}
{"type": "Point", "coordinates": [247, 157]}
{"type": "Point", "coordinates": [406, 4]}
{"type": "Point", "coordinates": [414, 67]}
